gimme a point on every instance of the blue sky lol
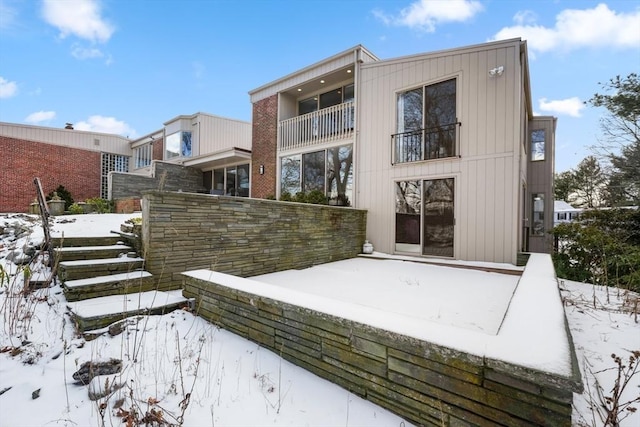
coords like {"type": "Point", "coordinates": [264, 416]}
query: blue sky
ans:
{"type": "Point", "coordinates": [126, 67]}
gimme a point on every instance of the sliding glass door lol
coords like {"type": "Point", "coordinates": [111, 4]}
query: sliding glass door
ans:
{"type": "Point", "coordinates": [425, 217]}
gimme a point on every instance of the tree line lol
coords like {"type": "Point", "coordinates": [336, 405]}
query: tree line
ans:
{"type": "Point", "coordinates": [603, 247]}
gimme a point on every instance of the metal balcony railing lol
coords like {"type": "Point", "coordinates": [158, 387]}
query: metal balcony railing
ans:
{"type": "Point", "coordinates": [424, 144]}
{"type": "Point", "coordinates": [332, 123]}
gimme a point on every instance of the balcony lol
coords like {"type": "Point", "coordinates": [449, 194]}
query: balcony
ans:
{"type": "Point", "coordinates": [424, 144]}
{"type": "Point", "coordinates": [329, 124]}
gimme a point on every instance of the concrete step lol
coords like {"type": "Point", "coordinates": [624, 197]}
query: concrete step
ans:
{"type": "Point", "coordinates": [67, 242]}
{"type": "Point", "coordinates": [100, 312]}
{"type": "Point", "coordinates": [76, 253]}
{"type": "Point", "coordinates": [114, 284]}
{"type": "Point", "coordinates": [84, 269]}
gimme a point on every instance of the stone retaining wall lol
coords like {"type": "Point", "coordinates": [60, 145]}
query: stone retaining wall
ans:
{"type": "Point", "coordinates": [241, 236]}
{"type": "Point", "coordinates": [166, 176]}
{"type": "Point", "coordinates": [424, 383]}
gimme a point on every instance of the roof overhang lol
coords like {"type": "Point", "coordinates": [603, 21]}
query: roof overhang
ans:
{"type": "Point", "coordinates": [219, 158]}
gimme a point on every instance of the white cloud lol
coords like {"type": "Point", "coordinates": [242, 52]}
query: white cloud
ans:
{"type": "Point", "coordinates": [575, 28]}
{"type": "Point", "coordinates": [7, 88]}
{"type": "Point", "coordinates": [8, 16]}
{"type": "Point", "coordinates": [104, 124]}
{"type": "Point", "coordinates": [79, 52]}
{"type": "Point", "coordinates": [569, 106]}
{"type": "Point", "coordinates": [425, 15]}
{"type": "Point", "coordinates": [80, 18]}
{"type": "Point", "coordinates": [40, 116]}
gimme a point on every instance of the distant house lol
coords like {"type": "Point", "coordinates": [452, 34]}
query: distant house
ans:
{"type": "Point", "coordinates": [564, 212]}
{"type": "Point", "coordinates": [441, 148]}
{"type": "Point", "coordinates": [216, 151]}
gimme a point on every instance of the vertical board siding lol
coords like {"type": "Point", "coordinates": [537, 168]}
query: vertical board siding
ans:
{"type": "Point", "coordinates": [487, 166]}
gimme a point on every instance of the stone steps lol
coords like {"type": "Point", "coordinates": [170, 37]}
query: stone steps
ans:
{"type": "Point", "coordinates": [66, 242]}
{"type": "Point", "coordinates": [104, 281]}
{"type": "Point", "coordinates": [114, 284]}
{"type": "Point", "coordinates": [100, 312]}
{"type": "Point", "coordinates": [84, 269]}
{"type": "Point", "coordinates": [77, 253]}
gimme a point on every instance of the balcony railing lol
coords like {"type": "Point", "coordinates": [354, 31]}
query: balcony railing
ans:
{"type": "Point", "coordinates": [424, 144]}
{"type": "Point", "coordinates": [332, 123]}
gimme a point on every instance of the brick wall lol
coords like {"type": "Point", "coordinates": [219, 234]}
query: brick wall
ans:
{"type": "Point", "coordinates": [77, 170]}
{"type": "Point", "coordinates": [425, 383]}
{"type": "Point", "coordinates": [264, 147]}
{"type": "Point", "coordinates": [158, 149]}
{"type": "Point", "coordinates": [240, 236]}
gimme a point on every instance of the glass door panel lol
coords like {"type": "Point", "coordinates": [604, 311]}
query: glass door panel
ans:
{"type": "Point", "coordinates": [438, 217]}
{"type": "Point", "coordinates": [408, 202]}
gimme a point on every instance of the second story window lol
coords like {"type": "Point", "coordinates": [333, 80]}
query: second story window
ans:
{"type": "Point", "coordinates": [178, 144]}
{"type": "Point", "coordinates": [143, 155]}
{"type": "Point", "coordinates": [426, 123]}
{"type": "Point", "coordinates": [537, 145]}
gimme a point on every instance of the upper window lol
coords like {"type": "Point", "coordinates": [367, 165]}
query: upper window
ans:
{"type": "Point", "coordinates": [143, 155]}
{"type": "Point", "coordinates": [537, 145]}
{"type": "Point", "coordinates": [427, 123]}
{"type": "Point", "coordinates": [327, 99]}
{"type": "Point", "coordinates": [329, 171]}
{"type": "Point", "coordinates": [178, 145]}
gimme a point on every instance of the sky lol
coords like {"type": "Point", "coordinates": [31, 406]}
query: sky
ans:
{"type": "Point", "coordinates": [127, 67]}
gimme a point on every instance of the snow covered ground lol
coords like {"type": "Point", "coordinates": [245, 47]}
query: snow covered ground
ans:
{"type": "Point", "coordinates": [179, 368]}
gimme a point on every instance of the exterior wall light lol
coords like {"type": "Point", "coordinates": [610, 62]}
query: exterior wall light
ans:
{"type": "Point", "coordinates": [261, 169]}
{"type": "Point", "coordinates": [496, 71]}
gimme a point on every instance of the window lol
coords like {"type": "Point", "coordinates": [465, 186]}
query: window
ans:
{"type": "Point", "coordinates": [178, 145]}
{"type": "Point", "coordinates": [426, 123]}
{"type": "Point", "coordinates": [231, 181]}
{"type": "Point", "coordinates": [326, 99]}
{"type": "Point", "coordinates": [537, 145]}
{"type": "Point", "coordinates": [562, 216]}
{"type": "Point", "coordinates": [111, 163]}
{"type": "Point", "coordinates": [329, 171]}
{"type": "Point", "coordinates": [143, 155]}
{"type": "Point", "coordinates": [537, 224]}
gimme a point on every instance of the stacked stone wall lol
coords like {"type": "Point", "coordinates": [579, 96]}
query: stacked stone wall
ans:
{"type": "Point", "coordinates": [164, 176]}
{"type": "Point", "coordinates": [425, 383]}
{"type": "Point", "coordinates": [241, 236]}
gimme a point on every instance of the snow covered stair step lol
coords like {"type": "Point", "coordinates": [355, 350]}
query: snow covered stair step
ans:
{"type": "Point", "coordinates": [83, 269]}
{"type": "Point", "coordinates": [113, 284]}
{"type": "Point", "coordinates": [76, 253]}
{"type": "Point", "coordinates": [100, 312]}
{"type": "Point", "coordinates": [67, 242]}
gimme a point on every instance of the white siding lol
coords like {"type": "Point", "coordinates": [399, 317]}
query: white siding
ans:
{"type": "Point", "coordinates": [488, 169]}
{"type": "Point", "coordinates": [218, 133]}
{"type": "Point", "coordinates": [91, 141]}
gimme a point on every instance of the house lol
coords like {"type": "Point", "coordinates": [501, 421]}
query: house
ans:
{"type": "Point", "coordinates": [199, 152]}
{"type": "Point", "coordinates": [441, 148]}
{"type": "Point", "coordinates": [564, 212]}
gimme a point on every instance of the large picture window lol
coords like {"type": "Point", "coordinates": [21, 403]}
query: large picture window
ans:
{"type": "Point", "coordinates": [143, 155]}
{"type": "Point", "coordinates": [178, 144]}
{"type": "Point", "coordinates": [329, 171]}
{"type": "Point", "coordinates": [426, 123]}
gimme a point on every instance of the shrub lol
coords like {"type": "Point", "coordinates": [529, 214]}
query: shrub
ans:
{"type": "Point", "coordinates": [602, 248]}
{"type": "Point", "coordinates": [286, 197]}
{"type": "Point", "coordinates": [64, 194]}
{"type": "Point", "coordinates": [76, 209]}
{"type": "Point", "coordinates": [317, 197]}
{"type": "Point", "coordinates": [101, 205]}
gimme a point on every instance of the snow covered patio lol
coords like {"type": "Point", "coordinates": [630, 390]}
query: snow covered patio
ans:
{"type": "Point", "coordinates": [431, 343]}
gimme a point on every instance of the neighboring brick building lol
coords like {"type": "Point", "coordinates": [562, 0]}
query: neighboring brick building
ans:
{"type": "Point", "coordinates": [214, 152]}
